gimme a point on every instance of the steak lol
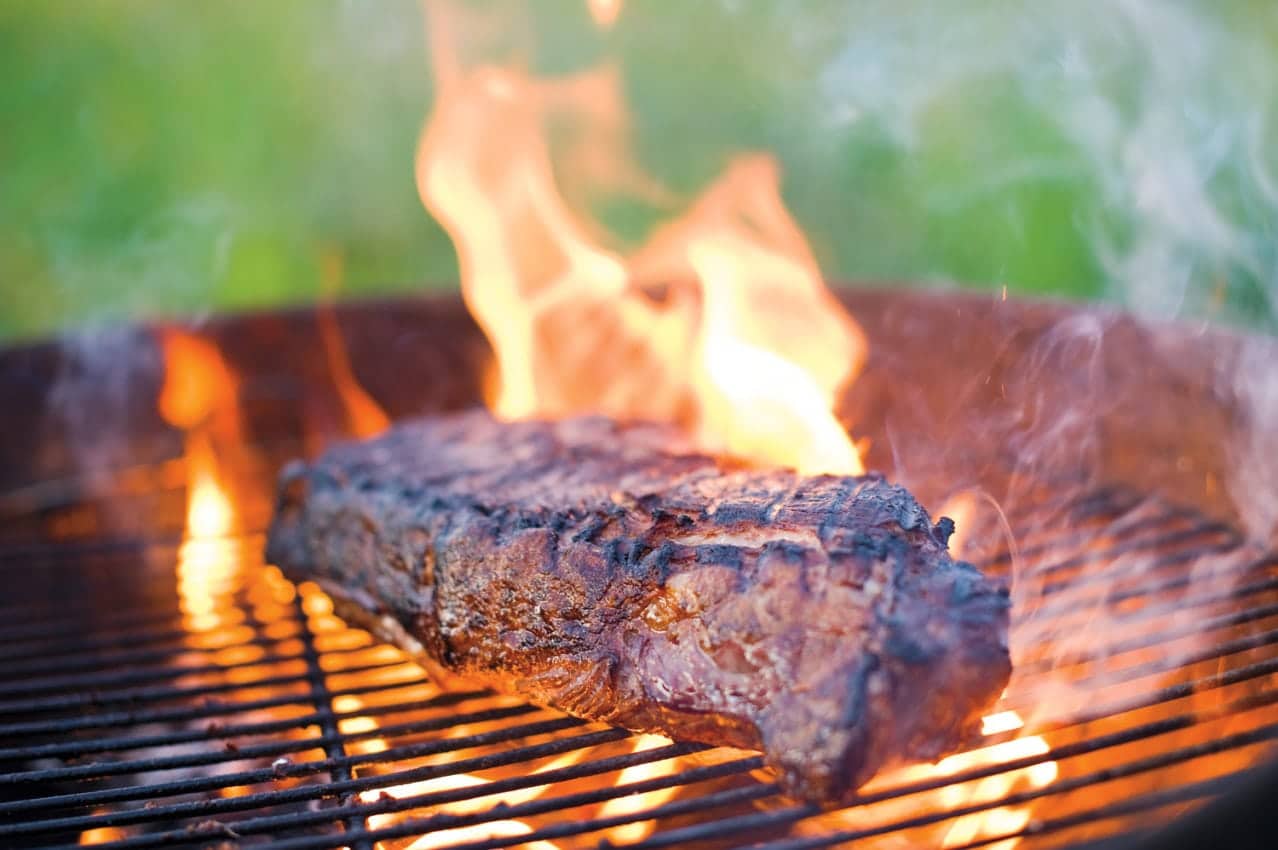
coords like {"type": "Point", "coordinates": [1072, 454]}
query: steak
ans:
{"type": "Point", "coordinates": [596, 568]}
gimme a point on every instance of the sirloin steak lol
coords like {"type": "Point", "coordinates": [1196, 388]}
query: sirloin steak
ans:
{"type": "Point", "coordinates": [589, 566]}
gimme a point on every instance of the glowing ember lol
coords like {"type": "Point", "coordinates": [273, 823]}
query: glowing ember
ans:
{"type": "Point", "coordinates": [742, 345]}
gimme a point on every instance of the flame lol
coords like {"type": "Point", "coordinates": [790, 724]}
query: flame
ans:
{"type": "Point", "coordinates": [507, 828]}
{"type": "Point", "coordinates": [512, 828]}
{"type": "Point", "coordinates": [481, 832]}
{"type": "Point", "coordinates": [353, 723]}
{"type": "Point", "coordinates": [203, 566]}
{"type": "Point", "coordinates": [961, 508]}
{"type": "Point", "coordinates": [972, 828]}
{"type": "Point", "coordinates": [988, 827]}
{"type": "Point", "coordinates": [604, 12]}
{"type": "Point", "coordinates": [743, 345]}
{"type": "Point", "coordinates": [200, 395]}
{"type": "Point", "coordinates": [199, 390]}
{"type": "Point", "coordinates": [637, 831]}
{"type": "Point", "coordinates": [102, 834]}
{"type": "Point", "coordinates": [364, 417]}
{"type": "Point", "coordinates": [1004, 819]}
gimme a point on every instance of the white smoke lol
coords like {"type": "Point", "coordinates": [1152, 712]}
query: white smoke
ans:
{"type": "Point", "coordinates": [1165, 107]}
{"type": "Point", "coordinates": [1167, 110]}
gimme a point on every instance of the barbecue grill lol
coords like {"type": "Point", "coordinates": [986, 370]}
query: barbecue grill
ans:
{"type": "Point", "coordinates": [162, 688]}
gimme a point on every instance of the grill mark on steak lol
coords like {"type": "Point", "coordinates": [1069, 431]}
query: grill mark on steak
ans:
{"type": "Point", "coordinates": [586, 566]}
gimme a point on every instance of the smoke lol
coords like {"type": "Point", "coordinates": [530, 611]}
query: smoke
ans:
{"type": "Point", "coordinates": [94, 402]}
{"type": "Point", "coordinates": [1254, 484]}
{"type": "Point", "coordinates": [1164, 112]}
{"type": "Point", "coordinates": [165, 261]}
{"type": "Point", "coordinates": [1163, 108]}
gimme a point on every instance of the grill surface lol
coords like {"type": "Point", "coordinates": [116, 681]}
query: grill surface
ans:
{"type": "Point", "coordinates": [161, 689]}
{"type": "Point", "coordinates": [122, 719]}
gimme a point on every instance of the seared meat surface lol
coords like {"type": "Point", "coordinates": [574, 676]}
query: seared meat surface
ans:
{"type": "Point", "coordinates": [588, 566]}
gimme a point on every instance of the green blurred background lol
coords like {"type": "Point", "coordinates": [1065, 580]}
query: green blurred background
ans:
{"type": "Point", "coordinates": [177, 157]}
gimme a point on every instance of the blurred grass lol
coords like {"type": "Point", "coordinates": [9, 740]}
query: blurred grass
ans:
{"type": "Point", "coordinates": [166, 157]}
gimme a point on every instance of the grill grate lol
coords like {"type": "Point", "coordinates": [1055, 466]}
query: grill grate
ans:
{"type": "Point", "coordinates": [156, 691]}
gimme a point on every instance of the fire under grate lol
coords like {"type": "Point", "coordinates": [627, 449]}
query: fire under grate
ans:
{"type": "Point", "coordinates": [159, 691]}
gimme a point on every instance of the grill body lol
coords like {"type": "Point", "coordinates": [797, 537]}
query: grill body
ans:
{"type": "Point", "coordinates": [159, 687]}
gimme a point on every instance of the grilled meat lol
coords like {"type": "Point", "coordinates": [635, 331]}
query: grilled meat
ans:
{"type": "Point", "coordinates": [586, 566]}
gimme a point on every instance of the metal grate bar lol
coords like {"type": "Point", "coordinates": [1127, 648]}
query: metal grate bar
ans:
{"type": "Point", "coordinates": [69, 551]}
{"type": "Point", "coordinates": [21, 620]}
{"type": "Point", "coordinates": [1158, 799]}
{"type": "Point", "coordinates": [62, 726]}
{"type": "Point", "coordinates": [1131, 768]}
{"type": "Point", "coordinates": [1125, 523]}
{"type": "Point", "coordinates": [59, 634]}
{"type": "Point", "coordinates": [1220, 651]}
{"type": "Point", "coordinates": [1155, 541]}
{"type": "Point", "coordinates": [205, 808]}
{"type": "Point", "coordinates": [407, 829]}
{"type": "Point", "coordinates": [1194, 792]}
{"type": "Point", "coordinates": [333, 741]}
{"type": "Point", "coordinates": [38, 633]}
{"type": "Point", "coordinates": [1059, 753]}
{"type": "Point", "coordinates": [327, 739]}
{"type": "Point", "coordinates": [1235, 595]}
{"type": "Point", "coordinates": [1172, 693]}
{"type": "Point", "coordinates": [388, 805]}
{"type": "Point", "coordinates": [134, 696]}
{"type": "Point", "coordinates": [1138, 671]}
{"type": "Point", "coordinates": [1145, 557]}
{"type": "Point", "coordinates": [75, 660]}
{"type": "Point", "coordinates": [221, 732]}
{"type": "Point", "coordinates": [75, 646]}
{"type": "Point", "coordinates": [1147, 640]}
{"type": "Point", "coordinates": [1062, 605]}
{"type": "Point", "coordinates": [1053, 527]}
{"type": "Point", "coordinates": [147, 675]}
{"type": "Point", "coordinates": [278, 748]}
{"type": "Point", "coordinates": [1067, 751]}
{"type": "Point", "coordinates": [1143, 568]}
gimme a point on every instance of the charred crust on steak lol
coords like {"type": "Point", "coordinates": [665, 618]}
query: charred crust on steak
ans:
{"type": "Point", "coordinates": [584, 565]}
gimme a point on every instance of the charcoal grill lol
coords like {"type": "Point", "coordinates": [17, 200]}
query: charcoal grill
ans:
{"type": "Point", "coordinates": [1113, 470]}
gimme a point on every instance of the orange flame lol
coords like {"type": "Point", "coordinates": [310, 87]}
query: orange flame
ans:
{"type": "Point", "coordinates": [985, 827]}
{"type": "Point", "coordinates": [1003, 819]}
{"type": "Point", "coordinates": [102, 835]}
{"type": "Point", "coordinates": [743, 345]}
{"type": "Point", "coordinates": [604, 12]}
{"type": "Point", "coordinates": [200, 391]}
{"type": "Point", "coordinates": [364, 417]}
{"type": "Point", "coordinates": [506, 828]}
{"type": "Point", "coordinates": [200, 395]}
{"type": "Point", "coordinates": [638, 830]}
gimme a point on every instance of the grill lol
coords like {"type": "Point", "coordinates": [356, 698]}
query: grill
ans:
{"type": "Point", "coordinates": [159, 688]}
